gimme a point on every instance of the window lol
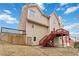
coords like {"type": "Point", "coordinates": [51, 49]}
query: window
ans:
{"type": "Point", "coordinates": [31, 12]}
{"type": "Point", "coordinates": [34, 39]}
{"type": "Point", "coordinates": [32, 25]}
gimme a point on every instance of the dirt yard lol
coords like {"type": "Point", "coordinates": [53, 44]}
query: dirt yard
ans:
{"type": "Point", "coordinates": [7, 49]}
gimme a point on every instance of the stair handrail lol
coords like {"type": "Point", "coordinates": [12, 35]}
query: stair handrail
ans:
{"type": "Point", "coordinates": [42, 39]}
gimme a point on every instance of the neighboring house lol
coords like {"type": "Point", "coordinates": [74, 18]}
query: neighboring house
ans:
{"type": "Point", "coordinates": [37, 25]}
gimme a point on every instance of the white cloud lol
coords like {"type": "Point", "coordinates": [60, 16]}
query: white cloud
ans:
{"type": "Point", "coordinates": [74, 25]}
{"type": "Point", "coordinates": [7, 11]}
{"type": "Point", "coordinates": [60, 6]}
{"type": "Point", "coordinates": [63, 4]}
{"type": "Point", "coordinates": [58, 9]}
{"type": "Point", "coordinates": [8, 19]}
{"type": "Point", "coordinates": [71, 9]}
{"type": "Point", "coordinates": [72, 33]}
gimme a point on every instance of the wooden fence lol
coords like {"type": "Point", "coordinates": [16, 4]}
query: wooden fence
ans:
{"type": "Point", "coordinates": [15, 38]}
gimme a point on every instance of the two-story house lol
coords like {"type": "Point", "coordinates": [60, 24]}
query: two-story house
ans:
{"type": "Point", "coordinates": [36, 24]}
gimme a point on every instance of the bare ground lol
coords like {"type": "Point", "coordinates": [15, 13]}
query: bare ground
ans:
{"type": "Point", "coordinates": [7, 49]}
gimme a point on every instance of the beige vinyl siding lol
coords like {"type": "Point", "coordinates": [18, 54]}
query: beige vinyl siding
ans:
{"type": "Point", "coordinates": [36, 24]}
{"type": "Point", "coordinates": [54, 22]}
{"type": "Point", "coordinates": [38, 17]}
{"type": "Point", "coordinates": [38, 31]}
{"type": "Point", "coordinates": [22, 25]}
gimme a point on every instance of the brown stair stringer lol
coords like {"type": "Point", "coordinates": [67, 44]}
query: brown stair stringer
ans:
{"type": "Point", "coordinates": [46, 39]}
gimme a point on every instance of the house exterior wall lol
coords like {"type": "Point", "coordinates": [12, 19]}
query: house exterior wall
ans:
{"type": "Point", "coordinates": [22, 24]}
{"type": "Point", "coordinates": [37, 31]}
{"type": "Point", "coordinates": [60, 21]}
{"type": "Point", "coordinates": [56, 41]}
{"type": "Point", "coordinates": [35, 25]}
{"type": "Point", "coordinates": [65, 42]}
{"type": "Point", "coordinates": [37, 17]}
{"type": "Point", "coordinates": [54, 22]}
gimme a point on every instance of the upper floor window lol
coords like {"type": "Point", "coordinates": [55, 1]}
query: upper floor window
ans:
{"type": "Point", "coordinates": [31, 12]}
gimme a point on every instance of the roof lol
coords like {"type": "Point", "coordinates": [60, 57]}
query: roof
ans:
{"type": "Point", "coordinates": [36, 5]}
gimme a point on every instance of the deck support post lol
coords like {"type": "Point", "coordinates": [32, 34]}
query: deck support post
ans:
{"type": "Point", "coordinates": [62, 42]}
{"type": "Point", "coordinates": [66, 39]}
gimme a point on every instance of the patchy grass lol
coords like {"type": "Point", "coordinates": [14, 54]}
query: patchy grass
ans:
{"type": "Point", "coordinates": [7, 49]}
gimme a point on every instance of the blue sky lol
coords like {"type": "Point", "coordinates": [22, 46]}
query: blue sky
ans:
{"type": "Point", "coordinates": [69, 12]}
{"type": "Point", "coordinates": [11, 11]}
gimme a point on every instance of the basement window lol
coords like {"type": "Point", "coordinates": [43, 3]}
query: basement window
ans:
{"type": "Point", "coordinates": [34, 39]}
{"type": "Point", "coordinates": [32, 25]}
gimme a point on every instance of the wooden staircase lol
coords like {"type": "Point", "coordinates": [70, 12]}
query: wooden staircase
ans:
{"type": "Point", "coordinates": [48, 40]}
